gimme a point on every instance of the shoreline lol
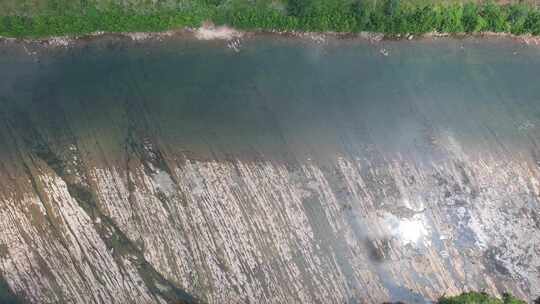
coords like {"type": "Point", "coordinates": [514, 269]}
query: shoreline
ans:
{"type": "Point", "coordinates": [391, 19]}
{"type": "Point", "coordinates": [228, 34]}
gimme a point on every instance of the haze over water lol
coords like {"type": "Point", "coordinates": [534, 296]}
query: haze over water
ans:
{"type": "Point", "coordinates": [435, 133]}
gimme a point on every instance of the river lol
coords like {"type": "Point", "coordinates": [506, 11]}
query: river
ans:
{"type": "Point", "coordinates": [269, 169]}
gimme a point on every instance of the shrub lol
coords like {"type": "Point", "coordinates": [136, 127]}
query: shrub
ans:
{"type": "Point", "coordinates": [470, 17]}
{"type": "Point", "coordinates": [517, 16]}
{"type": "Point", "coordinates": [495, 17]}
{"type": "Point", "coordinates": [480, 298]}
{"type": "Point", "coordinates": [532, 24]}
{"type": "Point", "coordinates": [451, 19]}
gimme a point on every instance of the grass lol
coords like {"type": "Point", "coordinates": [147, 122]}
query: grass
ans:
{"type": "Point", "coordinates": [392, 17]}
{"type": "Point", "coordinates": [480, 298]}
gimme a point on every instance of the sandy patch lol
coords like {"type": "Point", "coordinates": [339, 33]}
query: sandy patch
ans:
{"type": "Point", "coordinates": [139, 36]}
{"type": "Point", "coordinates": [210, 32]}
{"type": "Point", "coordinates": [529, 39]}
{"type": "Point", "coordinates": [373, 37]}
{"type": "Point", "coordinates": [142, 36]}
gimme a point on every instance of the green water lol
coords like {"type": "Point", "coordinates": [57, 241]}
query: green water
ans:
{"type": "Point", "coordinates": [279, 97]}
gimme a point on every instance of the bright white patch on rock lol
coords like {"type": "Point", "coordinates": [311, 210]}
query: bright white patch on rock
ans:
{"type": "Point", "coordinates": [411, 231]}
{"type": "Point", "coordinates": [59, 41]}
{"type": "Point", "coordinates": [164, 182]}
{"type": "Point", "coordinates": [407, 230]}
{"type": "Point", "coordinates": [139, 36]}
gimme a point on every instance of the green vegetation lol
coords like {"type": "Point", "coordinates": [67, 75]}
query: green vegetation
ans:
{"type": "Point", "coordinates": [480, 298]}
{"type": "Point", "coordinates": [465, 298]}
{"type": "Point", "coordinates": [62, 17]}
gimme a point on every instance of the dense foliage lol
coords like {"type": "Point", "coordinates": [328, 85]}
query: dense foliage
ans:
{"type": "Point", "coordinates": [480, 298]}
{"type": "Point", "coordinates": [384, 16]}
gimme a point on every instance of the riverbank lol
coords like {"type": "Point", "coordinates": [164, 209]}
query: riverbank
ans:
{"type": "Point", "coordinates": [392, 18]}
{"type": "Point", "coordinates": [234, 37]}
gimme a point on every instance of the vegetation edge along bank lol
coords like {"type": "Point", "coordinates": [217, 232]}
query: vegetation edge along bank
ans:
{"type": "Point", "coordinates": [389, 17]}
{"type": "Point", "coordinates": [229, 34]}
{"type": "Point", "coordinates": [471, 297]}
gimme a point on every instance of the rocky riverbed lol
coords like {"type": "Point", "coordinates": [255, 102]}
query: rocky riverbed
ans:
{"type": "Point", "coordinates": [278, 171]}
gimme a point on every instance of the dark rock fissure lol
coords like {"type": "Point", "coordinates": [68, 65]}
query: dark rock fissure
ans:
{"type": "Point", "coordinates": [118, 242]}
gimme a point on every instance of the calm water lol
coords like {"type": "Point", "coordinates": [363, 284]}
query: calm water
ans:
{"type": "Point", "coordinates": [282, 98]}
